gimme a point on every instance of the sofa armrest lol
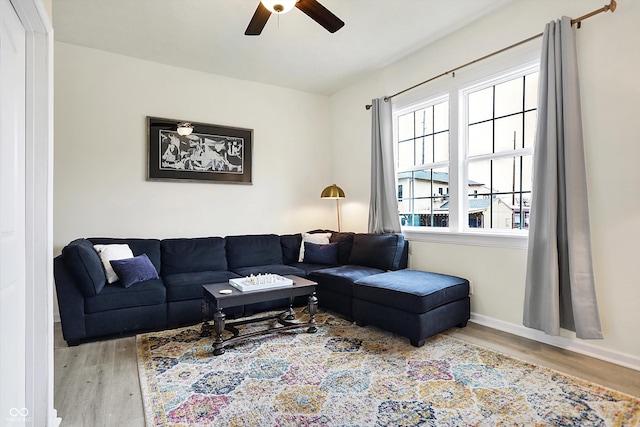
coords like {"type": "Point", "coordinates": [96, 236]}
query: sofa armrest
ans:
{"type": "Point", "coordinates": [70, 303]}
{"type": "Point", "coordinates": [404, 258]}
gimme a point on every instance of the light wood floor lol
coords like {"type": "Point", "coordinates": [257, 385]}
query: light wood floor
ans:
{"type": "Point", "coordinates": [96, 384]}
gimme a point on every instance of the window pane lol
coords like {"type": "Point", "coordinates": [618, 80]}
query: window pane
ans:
{"type": "Point", "coordinates": [479, 203]}
{"type": "Point", "coordinates": [405, 127]}
{"type": "Point", "coordinates": [425, 155]}
{"type": "Point", "coordinates": [481, 138]}
{"type": "Point", "coordinates": [405, 154]}
{"type": "Point", "coordinates": [499, 191]}
{"type": "Point", "coordinates": [508, 97]}
{"type": "Point", "coordinates": [501, 215]}
{"type": "Point", "coordinates": [530, 122]}
{"type": "Point", "coordinates": [441, 117]}
{"type": "Point", "coordinates": [424, 121]}
{"type": "Point", "coordinates": [479, 179]}
{"type": "Point", "coordinates": [508, 133]}
{"type": "Point", "coordinates": [425, 198]}
{"type": "Point", "coordinates": [441, 147]}
{"type": "Point", "coordinates": [481, 105]}
{"type": "Point", "coordinates": [531, 91]}
{"type": "Point", "coordinates": [506, 172]}
{"type": "Point", "coordinates": [527, 174]}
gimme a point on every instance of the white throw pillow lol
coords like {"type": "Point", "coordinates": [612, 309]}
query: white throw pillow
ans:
{"type": "Point", "coordinates": [317, 238]}
{"type": "Point", "coordinates": [112, 252]}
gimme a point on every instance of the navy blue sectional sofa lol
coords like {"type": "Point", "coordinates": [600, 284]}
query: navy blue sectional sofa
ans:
{"type": "Point", "coordinates": [91, 308]}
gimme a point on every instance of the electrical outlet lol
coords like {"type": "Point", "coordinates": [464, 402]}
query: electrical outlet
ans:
{"type": "Point", "coordinates": [470, 288]}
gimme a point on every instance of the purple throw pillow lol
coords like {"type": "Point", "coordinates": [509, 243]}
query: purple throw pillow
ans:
{"type": "Point", "coordinates": [325, 254]}
{"type": "Point", "coordinates": [134, 270]}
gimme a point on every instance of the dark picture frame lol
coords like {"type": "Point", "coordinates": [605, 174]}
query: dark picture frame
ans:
{"type": "Point", "coordinates": [211, 153]}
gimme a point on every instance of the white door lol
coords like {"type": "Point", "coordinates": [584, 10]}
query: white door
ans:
{"type": "Point", "coordinates": [12, 219]}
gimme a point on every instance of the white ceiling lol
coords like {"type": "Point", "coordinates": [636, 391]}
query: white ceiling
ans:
{"type": "Point", "coordinates": [293, 51]}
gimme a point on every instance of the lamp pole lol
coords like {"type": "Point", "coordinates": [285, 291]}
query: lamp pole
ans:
{"type": "Point", "coordinates": [334, 192]}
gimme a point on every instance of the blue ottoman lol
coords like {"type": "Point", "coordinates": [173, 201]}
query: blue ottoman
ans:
{"type": "Point", "coordinates": [414, 304]}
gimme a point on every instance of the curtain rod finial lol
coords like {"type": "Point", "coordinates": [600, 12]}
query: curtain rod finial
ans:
{"type": "Point", "coordinates": [612, 6]}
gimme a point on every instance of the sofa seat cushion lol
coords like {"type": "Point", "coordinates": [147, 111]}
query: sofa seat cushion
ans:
{"type": "Point", "coordinates": [411, 290]}
{"type": "Point", "coordinates": [280, 269]}
{"type": "Point", "coordinates": [186, 286]}
{"type": "Point", "coordinates": [192, 255]}
{"type": "Point", "coordinates": [340, 279]}
{"type": "Point", "coordinates": [309, 268]}
{"type": "Point", "coordinates": [149, 292]}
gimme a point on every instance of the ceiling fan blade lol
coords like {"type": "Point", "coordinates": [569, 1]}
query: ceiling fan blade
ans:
{"type": "Point", "coordinates": [258, 21]}
{"type": "Point", "coordinates": [320, 14]}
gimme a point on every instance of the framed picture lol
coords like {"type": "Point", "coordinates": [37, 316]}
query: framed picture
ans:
{"type": "Point", "coordinates": [210, 153]}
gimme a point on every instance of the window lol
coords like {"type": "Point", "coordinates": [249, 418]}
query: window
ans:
{"type": "Point", "coordinates": [500, 129]}
{"type": "Point", "coordinates": [465, 159]}
{"type": "Point", "coordinates": [423, 159]}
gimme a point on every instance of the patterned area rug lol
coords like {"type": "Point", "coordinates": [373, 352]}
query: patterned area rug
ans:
{"type": "Point", "coordinates": [345, 375]}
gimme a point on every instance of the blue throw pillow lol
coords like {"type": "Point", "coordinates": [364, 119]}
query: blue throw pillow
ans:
{"type": "Point", "coordinates": [326, 254]}
{"type": "Point", "coordinates": [134, 270]}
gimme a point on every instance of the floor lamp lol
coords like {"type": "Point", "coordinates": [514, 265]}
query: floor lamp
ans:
{"type": "Point", "coordinates": [334, 192]}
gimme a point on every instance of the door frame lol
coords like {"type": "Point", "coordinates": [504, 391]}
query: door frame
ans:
{"type": "Point", "coordinates": [39, 211]}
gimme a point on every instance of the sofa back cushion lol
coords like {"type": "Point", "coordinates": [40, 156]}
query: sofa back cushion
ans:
{"type": "Point", "coordinates": [151, 247]}
{"type": "Point", "coordinates": [345, 244]}
{"type": "Point", "coordinates": [85, 266]}
{"type": "Point", "coordinates": [290, 247]}
{"type": "Point", "coordinates": [253, 250]}
{"type": "Point", "coordinates": [193, 255]}
{"type": "Point", "coordinates": [383, 251]}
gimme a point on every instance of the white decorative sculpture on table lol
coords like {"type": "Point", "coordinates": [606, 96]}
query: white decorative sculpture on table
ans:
{"type": "Point", "coordinates": [260, 282]}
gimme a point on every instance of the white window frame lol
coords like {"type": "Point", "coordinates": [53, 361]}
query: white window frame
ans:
{"type": "Point", "coordinates": [455, 91]}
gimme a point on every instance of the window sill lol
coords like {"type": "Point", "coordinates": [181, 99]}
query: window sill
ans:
{"type": "Point", "coordinates": [515, 240]}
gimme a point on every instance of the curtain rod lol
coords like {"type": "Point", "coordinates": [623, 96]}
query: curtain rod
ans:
{"type": "Point", "coordinates": [611, 6]}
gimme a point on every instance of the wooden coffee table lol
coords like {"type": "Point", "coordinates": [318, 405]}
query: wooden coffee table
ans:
{"type": "Point", "coordinates": [286, 319]}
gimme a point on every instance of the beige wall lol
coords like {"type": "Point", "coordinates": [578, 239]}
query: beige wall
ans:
{"type": "Point", "coordinates": [609, 64]}
{"type": "Point", "coordinates": [101, 104]}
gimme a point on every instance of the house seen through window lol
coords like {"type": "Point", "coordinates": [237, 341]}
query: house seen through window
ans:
{"type": "Point", "coordinates": [495, 140]}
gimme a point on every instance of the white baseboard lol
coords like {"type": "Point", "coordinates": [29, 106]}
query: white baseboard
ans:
{"type": "Point", "coordinates": [56, 318]}
{"type": "Point", "coordinates": [571, 344]}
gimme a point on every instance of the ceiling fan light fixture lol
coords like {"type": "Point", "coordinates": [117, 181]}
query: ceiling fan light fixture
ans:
{"type": "Point", "coordinates": [279, 6]}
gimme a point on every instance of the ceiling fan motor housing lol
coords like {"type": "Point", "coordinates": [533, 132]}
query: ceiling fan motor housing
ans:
{"type": "Point", "coordinates": [279, 6]}
{"type": "Point", "coordinates": [312, 8]}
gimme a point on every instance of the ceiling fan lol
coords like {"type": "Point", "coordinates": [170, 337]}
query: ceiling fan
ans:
{"type": "Point", "coordinates": [311, 8]}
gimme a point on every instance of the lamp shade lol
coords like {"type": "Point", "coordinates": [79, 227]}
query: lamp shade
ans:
{"type": "Point", "coordinates": [332, 192]}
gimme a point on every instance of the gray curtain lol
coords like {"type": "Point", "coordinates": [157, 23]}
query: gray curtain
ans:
{"type": "Point", "coordinates": [383, 208]}
{"type": "Point", "coordinates": [560, 287]}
